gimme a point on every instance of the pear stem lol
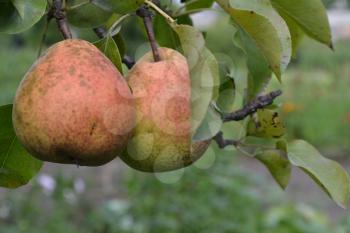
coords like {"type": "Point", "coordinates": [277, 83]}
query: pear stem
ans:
{"type": "Point", "coordinates": [146, 15]}
{"type": "Point", "coordinates": [60, 15]}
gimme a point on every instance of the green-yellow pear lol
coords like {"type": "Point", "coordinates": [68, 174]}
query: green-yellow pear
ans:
{"type": "Point", "coordinates": [73, 106]}
{"type": "Point", "coordinates": [162, 136]}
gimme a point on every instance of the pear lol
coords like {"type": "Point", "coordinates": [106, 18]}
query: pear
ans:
{"type": "Point", "coordinates": [162, 136]}
{"type": "Point", "coordinates": [74, 107]}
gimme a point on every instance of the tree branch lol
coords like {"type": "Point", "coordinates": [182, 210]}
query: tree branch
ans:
{"type": "Point", "coordinates": [60, 15]}
{"type": "Point", "coordinates": [258, 103]}
{"type": "Point", "coordinates": [222, 143]}
{"type": "Point", "coordinates": [100, 32]}
{"type": "Point", "coordinates": [146, 15]}
{"type": "Point", "coordinates": [128, 61]}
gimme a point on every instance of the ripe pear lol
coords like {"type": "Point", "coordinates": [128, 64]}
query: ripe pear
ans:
{"type": "Point", "coordinates": [74, 107]}
{"type": "Point", "coordinates": [162, 136]}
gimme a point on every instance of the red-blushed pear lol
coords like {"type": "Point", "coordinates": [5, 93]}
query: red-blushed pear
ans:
{"type": "Point", "coordinates": [74, 107]}
{"type": "Point", "coordinates": [162, 92]}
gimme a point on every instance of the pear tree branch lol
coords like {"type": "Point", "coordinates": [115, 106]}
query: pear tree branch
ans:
{"type": "Point", "coordinates": [146, 16]}
{"type": "Point", "coordinates": [100, 32]}
{"type": "Point", "coordinates": [258, 103]}
{"type": "Point", "coordinates": [60, 15]}
{"type": "Point", "coordinates": [128, 61]}
{"type": "Point", "coordinates": [222, 142]}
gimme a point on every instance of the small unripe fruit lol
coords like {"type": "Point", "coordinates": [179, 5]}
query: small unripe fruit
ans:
{"type": "Point", "coordinates": [73, 106]}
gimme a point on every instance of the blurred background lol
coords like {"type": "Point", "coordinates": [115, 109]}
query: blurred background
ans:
{"type": "Point", "coordinates": [224, 191]}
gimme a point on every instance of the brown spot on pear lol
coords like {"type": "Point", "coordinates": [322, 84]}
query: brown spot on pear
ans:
{"type": "Point", "coordinates": [86, 112]}
{"type": "Point", "coordinates": [162, 92]}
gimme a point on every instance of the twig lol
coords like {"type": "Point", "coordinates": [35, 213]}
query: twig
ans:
{"type": "Point", "coordinates": [100, 32]}
{"type": "Point", "coordinates": [127, 60]}
{"type": "Point", "coordinates": [259, 103]}
{"type": "Point", "coordinates": [60, 15]}
{"type": "Point", "coordinates": [146, 15]}
{"type": "Point", "coordinates": [222, 143]}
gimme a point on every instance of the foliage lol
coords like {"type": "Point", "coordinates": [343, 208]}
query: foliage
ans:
{"type": "Point", "coordinates": [267, 32]}
{"type": "Point", "coordinates": [19, 15]}
{"type": "Point", "coordinates": [13, 173]}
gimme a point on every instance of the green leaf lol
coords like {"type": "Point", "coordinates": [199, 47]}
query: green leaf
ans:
{"type": "Point", "coordinates": [226, 99]}
{"type": "Point", "coordinates": [20, 7]}
{"type": "Point", "coordinates": [265, 27]}
{"type": "Point", "coordinates": [165, 35]}
{"type": "Point", "coordinates": [19, 15]}
{"type": "Point", "coordinates": [108, 46]}
{"type": "Point", "coordinates": [296, 33]}
{"type": "Point", "coordinates": [87, 15]}
{"type": "Point", "coordinates": [227, 92]}
{"type": "Point", "coordinates": [184, 19]}
{"type": "Point", "coordinates": [17, 166]}
{"type": "Point", "coordinates": [267, 125]}
{"type": "Point", "coordinates": [278, 165]}
{"type": "Point", "coordinates": [204, 71]}
{"type": "Point", "coordinates": [282, 145]}
{"type": "Point", "coordinates": [259, 70]}
{"type": "Point", "coordinates": [210, 125]}
{"type": "Point", "coordinates": [310, 15]}
{"type": "Point", "coordinates": [199, 4]}
{"type": "Point", "coordinates": [120, 44]}
{"type": "Point", "coordinates": [103, 4]}
{"type": "Point", "coordinates": [124, 6]}
{"type": "Point", "coordinates": [329, 174]}
{"type": "Point", "coordinates": [112, 19]}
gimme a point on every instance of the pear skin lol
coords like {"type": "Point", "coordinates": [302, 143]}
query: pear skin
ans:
{"type": "Point", "coordinates": [74, 107]}
{"type": "Point", "coordinates": [162, 92]}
